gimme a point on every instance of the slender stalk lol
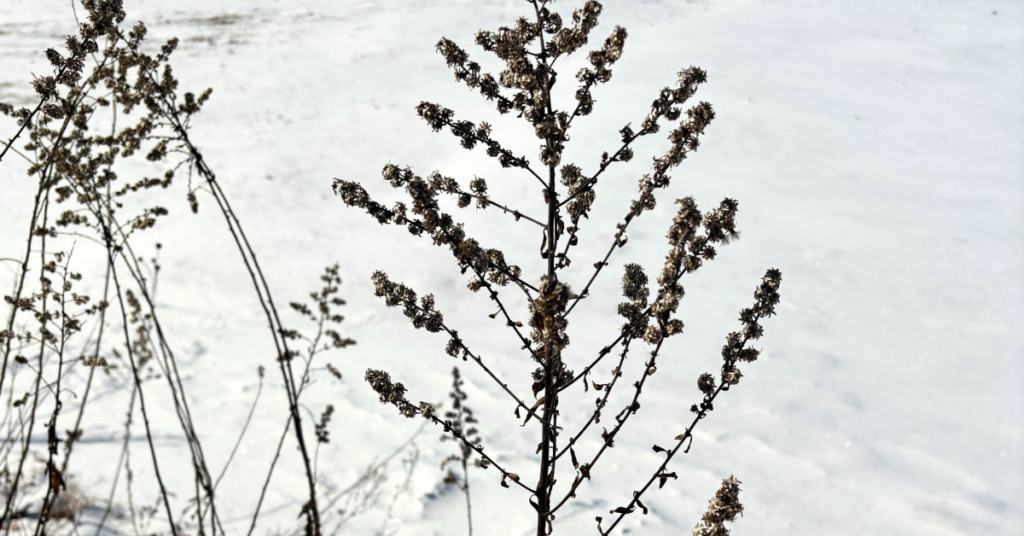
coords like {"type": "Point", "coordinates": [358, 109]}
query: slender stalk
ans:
{"type": "Point", "coordinates": [680, 441]}
{"type": "Point", "coordinates": [120, 464]}
{"type": "Point", "coordinates": [39, 373]}
{"type": "Point", "coordinates": [270, 473]}
{"type": "Point", "coordinates": [56, 480]}
{"type": "Point", "coordinates": [551, 357]}
{"type": "Point", "coordinates": [465, 489]}
{"type": "Point", "coordinates": [138, 387]}
{"type": "Point", "coordinates": [77, 429]}
{"type": "Point", "coordinates": [248, 419]}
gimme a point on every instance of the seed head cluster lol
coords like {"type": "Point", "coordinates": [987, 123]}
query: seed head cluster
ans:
{"type": "Point", "coordinates": [634, 289]}
{"type": "Point", "coordinates": [725, 506]}
{"type": "Point", "coordinates": [394, 394]}
{"type": "Point", "coordinates": [423, 315]}
{"type": "Point", "coordinates": [530, 50]}
{"type": "Point", "coordinates": [425, 216]}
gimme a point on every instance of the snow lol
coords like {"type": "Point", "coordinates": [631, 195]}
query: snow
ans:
{"type": "Point", "coordinates": [876, 149]}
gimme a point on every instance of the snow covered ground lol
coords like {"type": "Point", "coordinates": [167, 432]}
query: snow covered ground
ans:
{"type": "Point", "coordinates": [876, 149]}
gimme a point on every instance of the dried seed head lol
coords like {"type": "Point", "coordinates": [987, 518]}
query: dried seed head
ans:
{"type": "Point", "coordinates": [426, 410]}
{"type": "Point", "coordinates": [706, 383]}
{"type": "Point", "coordinates": [546, 314]}
{"type": "Point", "coordinates": [390, 393]}
{"type": "Point", "coordinates": [634, 288]}
{"type": "Point", "coordinates": [725, 506]}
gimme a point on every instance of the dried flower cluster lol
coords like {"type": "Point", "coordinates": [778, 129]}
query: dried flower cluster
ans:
{"type": "Point", "coordinates": [394, 394]}
{"type": "Point", "coordinates": [103, 17]}
{"type": "Point", "coordinates": [725, 506]}
{"type": "Point", "coordinates": [634, 288]}
{"type": "Point", "coordinates": [422, 315]}
{"type": "Point", "coordinates": [462, 423]}
{"type": "Point", "coordinates": [687, 252]}
{"type": "Point", "coordinates": [767, 296]}
{"type": "Point", "coordinates": [107, 101]}
{"type": "Point", "coordinates": [321, 313]}
{"type": "Point", "coordinates": [530, 50]}
{"type": "Point", "coordinates": [426, 216]}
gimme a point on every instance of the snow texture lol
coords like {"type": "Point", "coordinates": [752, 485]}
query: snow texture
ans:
{"type": "Point", "coordinates": [877, 151]}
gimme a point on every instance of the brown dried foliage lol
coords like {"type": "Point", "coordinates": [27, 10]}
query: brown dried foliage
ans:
{"type": "Point", "coordinates": [530, 49]}
{"type": "Point", "coordinates": [107, 101]}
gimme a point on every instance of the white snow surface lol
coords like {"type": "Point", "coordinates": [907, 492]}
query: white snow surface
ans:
{"type": "Point", "coordinates": [877, 152]}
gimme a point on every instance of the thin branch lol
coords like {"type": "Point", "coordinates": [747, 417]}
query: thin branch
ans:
{"type": "Point", "coordinates": [248, 419]}
{"type": "Point", "coordinates": [515, 213]}
{"type": "Point", "coordinates": [259, 282]}
{"type": "Point", "coordinates": [593, 179]}
{"type": "Point", "coordinates": [270, 473]}
{"type": "Point", "coordinates": [56, 480]}
{"type": "Point", "coordinates": [138, 388]}
{"type": "Point", "coordinates": [120, 461]}
{"type": "Point", "coordinates": [479, 449]}
{"type": "Point", "coordinates": [638, 321]}
{"type": "Point", "coordinates": [630, 409]}
{"type": "Point", "coordinates": [616, 374]}
{"type": "Point", "coordinates": [702, 411]}
{"type": "Point", "coordinates": [479, 361]}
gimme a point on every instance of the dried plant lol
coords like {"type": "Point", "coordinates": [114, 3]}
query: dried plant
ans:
{"type": "Point", "coordinates": [463, 422]}
{"type": "Point", "coordinates": [108, 101]}
{"type": "Point", "coordinates": [530, 50]}
{"type": "Point", "coordinates": [725, 506]}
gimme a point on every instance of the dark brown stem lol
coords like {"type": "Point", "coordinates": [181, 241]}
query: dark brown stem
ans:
{"type": "Point", "coordinates": [170, 112]}
{"type": "Point", "coordinates": [547, 465]}
{"type": "Point", "coordinates": [120, 461]}
{"type": "Point", "coordinates": [270, 473]}
{"type": "Point", "coordinates": [252, 409]}
{"type": "Point", "coordinates": [598, 267]}
{"type": "Point", "coordinates": [515, 213]}
{"type": "Point", "coordinates": [56, 479]}
{"type": "Point", "coordinates": [475, 358]}
{"type": "Point", "coordinates": [465, 489]}
{"type": "Point", "coordinates": [138, 387]}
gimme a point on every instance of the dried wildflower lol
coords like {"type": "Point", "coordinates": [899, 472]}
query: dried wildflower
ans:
{"type": "Point", "coordinates": [390, 393]}
{"type": "Point", "coordinates": [546, 314]}
{"type": "Point", "coordinates": [461, 422]}
{"type": "Point", "coordinates": [725, 506]}
{"type": "Point", "coordinates": [634, 288]}
{"type": "Point", "coordinates": [422, 315]}
{"type": "Point", "coordinates": [75, 162]}
{"type": "Point", "coordinates": [529, 49]}
{"type": "Point", "coordinates": [426, 410]}
{"type": "Point", "coordinates": [766, 298]}
{"type": "Point", "coordinates": [322, 434]}
{"type": "Point", "coordinates": [706, 383]}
